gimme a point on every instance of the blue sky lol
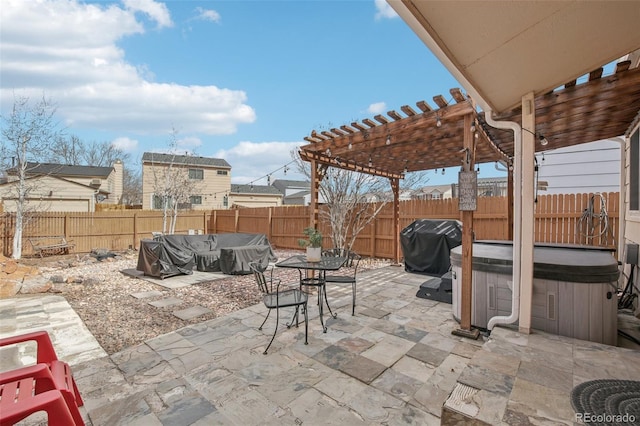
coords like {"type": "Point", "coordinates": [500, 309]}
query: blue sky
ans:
{"type": "Point", "coordinates": [241, 80]}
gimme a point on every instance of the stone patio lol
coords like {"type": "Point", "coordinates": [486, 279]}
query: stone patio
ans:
{"type": "Point", "coordinates": [395, 363]}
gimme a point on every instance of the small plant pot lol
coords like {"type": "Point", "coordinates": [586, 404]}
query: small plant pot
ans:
{"type": "Point", "coordinates": [314, 254]}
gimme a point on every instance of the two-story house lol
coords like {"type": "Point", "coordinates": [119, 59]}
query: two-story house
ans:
{"type": "Point", "coordinates": [61, 187]}
{"type": "Point", "coordinates": [207, 181]}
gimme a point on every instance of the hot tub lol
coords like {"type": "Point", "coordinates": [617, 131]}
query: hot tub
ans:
{"type": "Point", "coordinates": [574, 289]}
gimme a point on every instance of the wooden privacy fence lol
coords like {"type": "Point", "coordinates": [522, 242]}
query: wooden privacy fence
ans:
{"type": "Point", "coordinates": [570, 219]}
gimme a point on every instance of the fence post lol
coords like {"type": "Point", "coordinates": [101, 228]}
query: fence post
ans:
{"type": "Point", "coordinates": [135, 231]}
{"type": "Point", "coordinates": [235, 226]}
{"type": "Point", "coordinates": [270, 224]}
{"type": "Point", "coordinates": [204, 222]}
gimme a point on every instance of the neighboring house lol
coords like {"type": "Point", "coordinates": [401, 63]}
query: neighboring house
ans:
{"type": "Point", "coordinates": [209, 180]}
{"type": "Point", "coordinates": [295, 192]}
{"type": "Point", "coordinates": [254, 196]}
{"type": "Point", "coordinates": [585, 168]}
{"type": "Point", "coordinates": [59, 187]}
{"type": "Point", "coordinates": [487, 187]}
{"type": "Point", "coordinates": [432, 192]}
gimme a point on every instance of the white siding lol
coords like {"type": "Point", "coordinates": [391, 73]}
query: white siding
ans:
{"type": "Point", "coordinates": [584, 168]}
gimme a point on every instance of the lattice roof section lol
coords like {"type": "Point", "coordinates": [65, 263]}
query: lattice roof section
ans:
{"type": "Point", "coordinates": [427, 138]}
{"type": "Point", "coordinates": [414, 139]}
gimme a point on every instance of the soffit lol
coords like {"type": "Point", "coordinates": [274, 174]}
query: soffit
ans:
{"type": "Point", "coordinates": [500, 51]}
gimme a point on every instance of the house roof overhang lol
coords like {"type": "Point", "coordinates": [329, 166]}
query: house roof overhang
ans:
{"type": "Point", "coordinates": [500, 51]}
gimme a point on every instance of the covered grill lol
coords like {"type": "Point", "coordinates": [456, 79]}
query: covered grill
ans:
{"type": "Point", "coordinates": [426, 244]}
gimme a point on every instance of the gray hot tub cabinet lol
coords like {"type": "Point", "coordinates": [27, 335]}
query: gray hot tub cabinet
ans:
{"type": "Point", "coordinates": [574, 289]}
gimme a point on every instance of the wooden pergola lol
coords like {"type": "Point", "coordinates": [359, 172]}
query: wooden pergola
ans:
{"type": "Point", "coordinates": [428, 138]}
{"type": "Point", "coordinates": [455, 133]}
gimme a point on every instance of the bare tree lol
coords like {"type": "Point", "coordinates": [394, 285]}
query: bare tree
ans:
{"type": "Point", "coordinates": [172, 184]}
{"type": "Point", "coordinates": [73, 150]}
{"type": "Point", "coordinates": [27, 132]}
{"type": "Point", "coordinates": [66, 151]}
{"type": "Point", "coordinates": [353, 199]}
{"type": "Point", "coordinates": [132, 187]}
{"type": "Point", "coordinates": [103, 154]}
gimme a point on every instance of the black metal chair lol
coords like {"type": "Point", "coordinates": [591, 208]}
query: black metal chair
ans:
{"type": "Point", "coordinates": [348, 272]}
{"type": "Point", "coordinates": [274, 298]}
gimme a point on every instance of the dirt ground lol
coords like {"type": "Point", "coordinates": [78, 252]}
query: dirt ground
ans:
{"type": "Point", "coordinates": [102, 296]}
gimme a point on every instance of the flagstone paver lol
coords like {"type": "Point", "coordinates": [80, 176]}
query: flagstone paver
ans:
{"type": "Point", "coordinates": [147, 294]}
{"type": "Point", "coordinates": [192, 312]}
{"type": "Point", "coordinates": [393, 363]}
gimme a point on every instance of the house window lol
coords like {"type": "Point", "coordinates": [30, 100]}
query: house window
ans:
{"type": "Point", "coordinates": [225, 201]}
{"type": "Point", "coordinates": [634, 171]}
{"type": "Point", "coordinates": [195, 199]}
{"type": "Point", "coordinates": [223, 172]}
{"type": "Point", "coordinates": [196, 174]}
{"type": "Point", "coordinates": [157, 202]}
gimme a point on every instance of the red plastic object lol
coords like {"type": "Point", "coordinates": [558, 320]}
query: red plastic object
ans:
{"type": "Point", "coordinates": [60, 370]}
{"type": "Point", "coordinates": [31, 389]}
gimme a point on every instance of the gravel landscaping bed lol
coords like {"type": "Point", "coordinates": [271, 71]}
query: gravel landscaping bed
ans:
{"type": "Point", "coordinates": [102, 296]}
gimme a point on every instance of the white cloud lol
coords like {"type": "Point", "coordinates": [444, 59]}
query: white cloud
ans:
{"type": "Point", "coordinates": [208, 15]}
{"type": "Point", "coordinates": [251, 161]}
{"type": "Point", "coordinates": [377, 108]}
{"type": "Point", "coordinates": [125, 144]}
{"type": "Point", "coordinates": [68, 50]}
{"type": "Point", "coordinates": [384, 11]}
{"type": "Point", "coordinates": [156, 11]}
{"type": "Point", "coordinates": [189, 142]}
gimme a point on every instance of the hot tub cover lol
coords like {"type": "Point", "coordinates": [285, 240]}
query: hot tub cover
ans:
{"type": "Point", "coordinates": [426, 244]}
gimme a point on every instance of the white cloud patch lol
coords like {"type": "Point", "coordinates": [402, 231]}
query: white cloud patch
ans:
{"type": "Point", "coordinates": [377, 108]}
{"type": "Point", "coordinates": [155, 11]}
{"type": "Point", "coordinates": [252, 161]}
{"type": "Point", "coordinates": [189, 142]}
{"type": "Point", "coordinates": [384, 11]}
{"type": "Point", "coordinates": [125, 144]}
{"type": "Point", "coordinates": [68, 50]}
{"type": "Point", "coordinates": [208, 15]}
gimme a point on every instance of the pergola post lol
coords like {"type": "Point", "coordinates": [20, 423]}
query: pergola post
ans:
{"type": "Point", "coordinates": [466, 292]}
{"type": "Point", "coordinates": [313, 201]}
{"type": "Point", "coordinates": [395, 187]}
{"type": "Point", "coordinates": [317, 174]}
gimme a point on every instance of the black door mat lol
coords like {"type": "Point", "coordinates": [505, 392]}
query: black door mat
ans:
{"type": "Point", "coordinates": [607, 402]}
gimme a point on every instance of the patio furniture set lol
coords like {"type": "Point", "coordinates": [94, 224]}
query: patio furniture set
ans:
{"type": "Point", "coordinates": [312, 275]}
{"type": "Point", "coordinates": [169, 255]}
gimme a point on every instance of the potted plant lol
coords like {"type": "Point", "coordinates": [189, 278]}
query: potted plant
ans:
{"type": "Point", "coordinates": [313, 243]}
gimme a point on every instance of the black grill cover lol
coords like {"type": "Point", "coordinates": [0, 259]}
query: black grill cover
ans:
{"type": "Point", "coordinates": [426, 244]}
